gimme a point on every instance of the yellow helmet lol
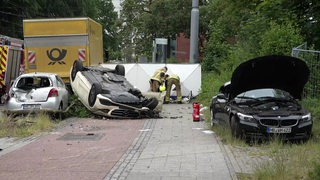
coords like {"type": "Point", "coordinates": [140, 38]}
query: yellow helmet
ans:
{"type": "Point", "coordinates": [162, 88]}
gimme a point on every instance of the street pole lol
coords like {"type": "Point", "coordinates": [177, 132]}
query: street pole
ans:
{"type": "Point", "coordinates": [194, 31]}
{"type": "Point", "coordinates": [154, 51]}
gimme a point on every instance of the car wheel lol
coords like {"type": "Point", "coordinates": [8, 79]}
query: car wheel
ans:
{"type": "Point", "coordinates": [235, 128]}
{"type": "Point", "coordinates": [77, 66]}
{"type": "Point", "coordinates": [152, 103]}
{"type": "Point", "coordinates": [120, 70]}
{"type": "Point", "coordinates": [94, 91]}
{"type": "Point", "coordinates": [60, 113]}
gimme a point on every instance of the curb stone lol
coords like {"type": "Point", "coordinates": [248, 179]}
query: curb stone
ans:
{"type": "Point", "coordinates": [122, 168]}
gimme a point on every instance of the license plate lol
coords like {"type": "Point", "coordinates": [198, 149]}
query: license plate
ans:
{"type": "Point", "coordinates": [278, 130]}
{"type": "Point", "coordinates": [31, 106]}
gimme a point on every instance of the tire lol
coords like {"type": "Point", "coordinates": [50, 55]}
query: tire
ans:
{"type": "Point", "coordinates": [152, 103]}
{"type": "Point", "coordinates": [60, 113]}
{"type": "Point", "coordinates": [77, 66]}
{"type": "Point", "coordinates": [94, 91]}
{"type": "Point", "coordinates": [120, 70]}
{"type": "Point", "coordinates": [235, 128]}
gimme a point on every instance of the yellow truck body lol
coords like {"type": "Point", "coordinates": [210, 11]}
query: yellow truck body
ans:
{"type": "Point", "coordinates": [52, 45]}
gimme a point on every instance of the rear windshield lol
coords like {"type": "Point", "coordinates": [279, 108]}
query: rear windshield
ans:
{"type": "Point", "coordinates": [33, 82]}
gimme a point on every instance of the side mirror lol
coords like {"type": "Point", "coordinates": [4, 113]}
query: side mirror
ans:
{"type": "Point", "coordinates": [221, 96]}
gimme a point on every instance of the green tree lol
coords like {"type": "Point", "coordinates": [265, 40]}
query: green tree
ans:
{"type": "Point", "coordinates": [109, 20]}
{"type": "Point", "coordinates": [227, 17]}
{"type": "Point", "coordinates": [145, 20]}
{"type": "Point", "coordinates": [252, 27]}
{"type": "Point", "coordinates": [280, 39]}
{"type": "Point", "coordinates": [308, 18]}
{"type": "Point", "coordinates": [14, 11]}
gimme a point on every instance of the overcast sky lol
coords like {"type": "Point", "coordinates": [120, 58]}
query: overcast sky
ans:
{"type": "Point", "coordinates": [116, 4]}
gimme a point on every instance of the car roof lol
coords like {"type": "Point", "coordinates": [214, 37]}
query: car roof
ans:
{"type": "Point", "coordinates": [37, 74]}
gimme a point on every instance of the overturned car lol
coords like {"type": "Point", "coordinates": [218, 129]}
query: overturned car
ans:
{"type": "Point", "coordinates": [106, 92]}
{"type": "Point", "coordinates": [262, 100]}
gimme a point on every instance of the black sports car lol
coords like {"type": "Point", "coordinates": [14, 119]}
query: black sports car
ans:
{"type": "Point", "coordinates": [106, 92]}
{"type": "Point", "coordinates": [262, 99]}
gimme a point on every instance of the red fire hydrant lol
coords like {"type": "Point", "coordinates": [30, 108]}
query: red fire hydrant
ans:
{"type": "Point", "coordinates": [196, 112]}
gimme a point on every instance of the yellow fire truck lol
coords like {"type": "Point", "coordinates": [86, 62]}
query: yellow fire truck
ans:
{"type": "Point", "coordinates": [11, 62]}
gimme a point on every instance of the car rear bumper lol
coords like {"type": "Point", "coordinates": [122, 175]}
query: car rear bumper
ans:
{"type": "Point", "coordinates": [13, 106]}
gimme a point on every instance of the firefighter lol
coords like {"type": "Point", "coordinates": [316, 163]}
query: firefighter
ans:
{"type": "Point", "coordinates": [157, 79]}
{"type": "Point", "coordinates": [169, 81]}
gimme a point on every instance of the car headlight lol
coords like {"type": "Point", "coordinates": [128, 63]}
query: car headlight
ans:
{"type": "Point", "coordinates": [306, 118]}
{"type": "Point", "coordinates": [244, 117]}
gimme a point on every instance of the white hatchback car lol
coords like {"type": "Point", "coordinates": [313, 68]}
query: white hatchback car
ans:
{"type": "Point", "coordinates": [34, 92]}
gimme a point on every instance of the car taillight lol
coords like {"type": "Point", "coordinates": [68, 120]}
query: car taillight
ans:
{"type": "Point", "coordinates": [53, 93]}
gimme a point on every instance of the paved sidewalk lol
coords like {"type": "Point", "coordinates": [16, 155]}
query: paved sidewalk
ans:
{"type": "Point", "coordinates": [174, 147]}
{"type": "Point", "coordinates": [85, 149]}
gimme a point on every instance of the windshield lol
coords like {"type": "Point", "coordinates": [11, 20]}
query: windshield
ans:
{"type": "Point", "coordinates": [28, 83]}
{"type": "Point", "coordinates": [265, 93]}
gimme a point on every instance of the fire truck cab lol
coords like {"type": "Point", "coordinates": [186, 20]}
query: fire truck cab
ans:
{"type": "Point", "coordinates": [11, 63]}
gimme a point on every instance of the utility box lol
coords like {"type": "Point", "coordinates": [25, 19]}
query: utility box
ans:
{"type": "Point", "coordinates": [52, 45]}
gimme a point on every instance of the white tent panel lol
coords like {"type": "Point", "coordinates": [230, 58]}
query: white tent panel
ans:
{"type": "Point", "coordinates": [190, 77]}
{"type": "Point", "coordinates": [139, 75]}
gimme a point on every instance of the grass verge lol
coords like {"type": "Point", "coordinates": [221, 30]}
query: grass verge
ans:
{"type": "Point", "coordinates": [24, 126]}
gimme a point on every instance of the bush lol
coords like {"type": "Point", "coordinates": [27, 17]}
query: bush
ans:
{"type": "Point", "coordinates": [280, 39]}
{"type": "Point", "coordinates": [77, 109]}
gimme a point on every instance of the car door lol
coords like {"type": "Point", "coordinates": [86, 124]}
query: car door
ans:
{"type": "Point", "coordinates": [219, 102]}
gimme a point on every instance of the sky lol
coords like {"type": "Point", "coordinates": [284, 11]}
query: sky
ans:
{"type": "Point", "coordinates": [116, 4]}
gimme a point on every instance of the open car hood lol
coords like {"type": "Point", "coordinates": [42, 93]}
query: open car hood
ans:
{"type": "Point", "coordinates": [280, 72]}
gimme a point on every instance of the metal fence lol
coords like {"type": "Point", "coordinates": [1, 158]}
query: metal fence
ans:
{"type": "Point", "coordinates": [312, 58]}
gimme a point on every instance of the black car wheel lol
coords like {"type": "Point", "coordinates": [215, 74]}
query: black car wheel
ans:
{"type": "Point", "coordinates": [235, 127]}
{"type": "Point", "coordinates": [152, 103]}
{"type": "Point", "coordinates": [77, 66]}
{"type": "Point", "coordinates": [120, 70]}
{"type": "Point", "coordinates": [94, 91]}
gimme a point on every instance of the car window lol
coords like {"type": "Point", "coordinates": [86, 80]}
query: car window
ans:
{"type": "Point", "coordinates": [60, 81]}
{"type": "Point", "coordinates": [44, 82]}
{"type": "Point", "coordinates": [261, 93]}
{"type": "Point", "coordinates": [27, 83]}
